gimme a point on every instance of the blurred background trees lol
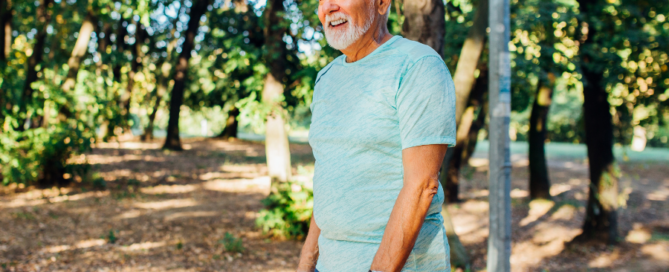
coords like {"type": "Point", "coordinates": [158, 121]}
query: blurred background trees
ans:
{"type": "Point", "coordinates": [80, 71]}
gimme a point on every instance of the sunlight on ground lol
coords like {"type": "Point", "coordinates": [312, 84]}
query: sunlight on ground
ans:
{"type": "Point", "coordinates": [186, 202]}
{"type": "Point", "coordinates": [229, 174]}
{"type": "Point", "coordinates": [261, 184]}
{"type": "Point", "coordinates": [660, 195]}
{"type": "Point", "coordinates": [169, 189]}
{"type": "Point", "coordinates": [82, 244]}
{"type": "Point", "coordinates": [547, 236]}
{"type": "Point", "coordinates": [143, 246]}
{"type": "Point", "coordinates": [537, 209]}
{"type": "Point", "coordinates": [519, 193]}
{"type": "Point", "coordinates": [604, 260]}
{"type": "Point", "coordinates": [560, 188]}
{"type": "Point", "coordinates": [565, 213]}
{"type": "Point", "coordinates": [180, 215]}
{"type": "Point", "coordinates": [239, 168]}
{"type": "Point", "coordinates": [129, 145]}
{"type": "Point", "coordinates": [638, 235]}
{"type": "Point", "coordinates": [167, 204]}
{"type": "Point", "coordinates": [470, 221]}
{"type": "Point", "coordinates": [659, 251]}
{"type": "Point", "coordinates": [28, 201]}
{"type": "Point", "coordinates": [94, 159]}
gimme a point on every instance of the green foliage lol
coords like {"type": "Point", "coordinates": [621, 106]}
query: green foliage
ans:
{"type": "Point", "coordinates": [231, 243]}
{"type": "Point", "coordinates": [111, 237]}
{"type": "Point", "coordinates": [43, 126]}
{"type": "Point", "coordinates": [288, 210]}
{"type": "Point", "coordinates": [98, 183]}
{"type": "Point", "coordinates": [24, 215]}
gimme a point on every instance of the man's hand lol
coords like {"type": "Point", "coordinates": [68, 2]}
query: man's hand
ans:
{"type": "Point", "coordinates": [309, 254]}
{"type": "Point", "coordinates": [421, 183]}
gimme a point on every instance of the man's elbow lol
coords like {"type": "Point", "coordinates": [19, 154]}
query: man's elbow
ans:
{"type": "Point", "coordinates": [428, 188]}
{"type": "Point", "coordinates": [432, 186]}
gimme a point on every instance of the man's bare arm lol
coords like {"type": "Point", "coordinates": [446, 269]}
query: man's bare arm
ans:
{"type": "Point", "coordinates": [421, 183]}
{"type": "Point", "coordinates": [309, 254]}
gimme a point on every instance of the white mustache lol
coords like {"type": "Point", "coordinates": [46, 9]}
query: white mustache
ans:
{"type": "Point", "coordinates": [336, 16]}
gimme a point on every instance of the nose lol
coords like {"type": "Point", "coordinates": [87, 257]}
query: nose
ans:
{"type": "Point", "coordinates": [328, 6]}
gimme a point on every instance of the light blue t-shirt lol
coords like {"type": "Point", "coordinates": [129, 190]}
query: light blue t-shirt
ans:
{"type": "Point", "coordinates": [363, 114]}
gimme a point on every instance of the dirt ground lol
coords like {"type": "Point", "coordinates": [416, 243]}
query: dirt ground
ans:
{"type": "Point", "coordinates": [170, 211]}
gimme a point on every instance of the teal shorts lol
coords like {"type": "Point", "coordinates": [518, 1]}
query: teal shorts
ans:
{"type": "Point", "coordinates": [430, 253]}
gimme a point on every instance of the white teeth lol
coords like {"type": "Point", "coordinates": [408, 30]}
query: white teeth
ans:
{"type": "Point", "coordinates": [338, 22]}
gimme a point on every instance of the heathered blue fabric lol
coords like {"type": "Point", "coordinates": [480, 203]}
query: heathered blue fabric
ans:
{"type": "Point", "coordinates": [363, 114]}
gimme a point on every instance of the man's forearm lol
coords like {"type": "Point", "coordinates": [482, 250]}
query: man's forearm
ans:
{"type": "Point", "coordinates": [406, 220]}
{"type": "Point", "coordinates": [309, 254]}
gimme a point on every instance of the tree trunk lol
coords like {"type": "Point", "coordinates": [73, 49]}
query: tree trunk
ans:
{"type": "Point", "coordinates": [601, 219]}
{"type": "Point", "coordinates": [470, 124]}
{"type": "Point", "coordinates": [116, 63]}
{"type": "Point", "coordinates": [5, 29]}
{"type": "Point", "coordinates": [135, 65]}
{"type": "Point", "coordinates": [230, 130]}
{"type": "Point", "coordinates": [78, 52]}
{"type": "Point", "coordinates": [276, 137]}
{"type": "Point", "coordinates": [161, 89]}
{"type": "Point", "coordinates": [459, 256]}
{"type": "Point", "coordinates": [43, 18]}
{"type": "Point", "coordinates": [162, 75]}
{"type": "Point", "coordinates": [172, 141]}
{"type": "Point", "coordinates": [470, 54]}
{"type": "Point", "coordinates": [425, 23]}
{"type": "Point", "coordinates": [121, 32]}
{"type": "Point", "coordinates": [540, 184]}
{"type": "Point", "coordinates": [601, 211]}
{"type": "Point", "coordinates": [464, 80]}
{"type": "Point", "coordinates": [5, 48]}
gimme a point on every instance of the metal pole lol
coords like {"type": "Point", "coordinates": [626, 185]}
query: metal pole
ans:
{"type": "Point", "coordinates": [499, 241]}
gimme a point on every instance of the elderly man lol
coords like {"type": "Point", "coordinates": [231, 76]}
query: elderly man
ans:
{"type": "Point", "coordinates": [382, 118]}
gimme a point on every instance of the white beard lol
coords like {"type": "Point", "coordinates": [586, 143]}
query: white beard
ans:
{"type": "Point", "coordinates": [341, 39]}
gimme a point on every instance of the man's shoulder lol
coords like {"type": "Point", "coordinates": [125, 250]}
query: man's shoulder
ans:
{"type": "Point", "coordinates": [325, 69]}
{"type": "Point", "coordinates": [413, 50]}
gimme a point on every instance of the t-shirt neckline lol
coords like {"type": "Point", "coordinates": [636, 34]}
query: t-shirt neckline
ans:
{"type": "Point", "coordinates": [378, 49]}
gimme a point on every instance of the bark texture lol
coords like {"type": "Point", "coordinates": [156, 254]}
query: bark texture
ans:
{"type": "Point", "coordinates": [159, 92]}
{"type": "Point", "coordinates": [276, 137]}
{"type": "Point", "coordinates": [424, 22]}
{"type": "Point", "coordinates": [43, 17]}
{"type": "Point", "coordinates": [464, 80]}
{"type": "Point", "coordinates": [5, 47]}
{"type": "Point", "coordinates": [231, 124]}
{"type": "Point", "coordinates": [6, 16]}
{"type": "Point", "coordinates": [601, 219]}
{"type": "Point", "coordinates": [172, 141]}
{"type": "Point", "coordinates": [78, 52]}
{"type": "Point", "coordinates": [162, 76]}
{"type": "Point", "coordinates": [429, 29]}
{"type": "Point", "coordinates": [540, 184]}
{"type": "Point", "coordinates": [135, 65]}
{"type": "Point", "coordinates": [466, 136]}
{"type": "Point", "coordinates": [539, 178]}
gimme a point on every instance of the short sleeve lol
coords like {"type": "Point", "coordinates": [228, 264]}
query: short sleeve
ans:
{"type": "Point", "coordinates": [426, 104]}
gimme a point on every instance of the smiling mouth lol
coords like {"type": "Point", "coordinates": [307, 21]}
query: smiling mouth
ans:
{"type": "Point", "coordinates": [338, 23]}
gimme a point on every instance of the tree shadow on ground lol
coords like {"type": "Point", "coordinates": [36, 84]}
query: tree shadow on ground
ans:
{"type": "Point", "coordinates": [175, 219]}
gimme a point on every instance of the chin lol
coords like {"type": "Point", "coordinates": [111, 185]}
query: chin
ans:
{"type": "Point", "coordinates": [341, 40]}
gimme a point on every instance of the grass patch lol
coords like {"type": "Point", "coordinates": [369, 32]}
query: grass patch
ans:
{"type": "Point", "coordinates": [24, 215]}
{"type": "Point", "coordinates": [231, 243]}
{"type": "Point", "coordinates": [659, 236]}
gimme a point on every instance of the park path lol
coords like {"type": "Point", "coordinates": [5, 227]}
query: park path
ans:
{"type": "Point", "coordinates": [169, 211]}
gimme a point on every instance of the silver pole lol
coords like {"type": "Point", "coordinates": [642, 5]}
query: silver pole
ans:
{"type": "Point", "coordinates": [499, 241]}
